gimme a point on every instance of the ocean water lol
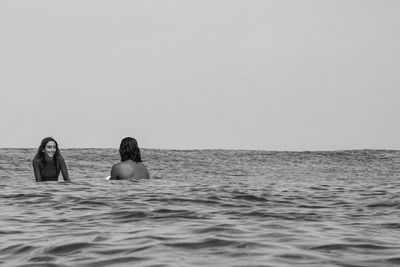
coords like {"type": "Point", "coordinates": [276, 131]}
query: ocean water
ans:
{"type": "Point", "coordinates": [204, 208]}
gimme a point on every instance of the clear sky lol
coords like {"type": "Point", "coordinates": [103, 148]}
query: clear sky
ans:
{"type": "Point", "coordinates": [186, 74]}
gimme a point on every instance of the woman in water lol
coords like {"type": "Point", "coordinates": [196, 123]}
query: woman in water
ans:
{"type": "Point", "coordinates": [48, 162]}
{"type": "Point", "coordinates": [131, 166]}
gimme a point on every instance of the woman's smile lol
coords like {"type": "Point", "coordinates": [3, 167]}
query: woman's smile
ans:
{"type": "Point", "coordinates": [50, 149]}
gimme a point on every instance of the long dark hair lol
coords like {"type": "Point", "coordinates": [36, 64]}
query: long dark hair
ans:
{"type": "Point", "coordinates": [129, 149]}
{"type": "Point", "coordinates": [40, 153]}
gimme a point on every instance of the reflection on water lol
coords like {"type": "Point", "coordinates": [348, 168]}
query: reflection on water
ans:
{"type": "Point", "coordinates": [204, 208]}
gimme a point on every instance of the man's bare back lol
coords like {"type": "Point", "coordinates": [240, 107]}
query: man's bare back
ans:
{"type": "Point", "coordinates": [129, 169]}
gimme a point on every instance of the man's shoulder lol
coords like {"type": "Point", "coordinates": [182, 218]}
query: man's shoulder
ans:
{"type": "Point", "coordinates": [141, 165]}
{"type": "Point", "coordinates": [116, 165]}
{"type": "Point", "coordinates": [127, 163]}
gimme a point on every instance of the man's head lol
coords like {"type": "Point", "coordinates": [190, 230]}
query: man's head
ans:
{"type": "Point", "coordinates": [129, 149]}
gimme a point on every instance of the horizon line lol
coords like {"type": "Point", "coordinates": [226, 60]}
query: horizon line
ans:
{"type": "Point", "coordinates": [234, 149]}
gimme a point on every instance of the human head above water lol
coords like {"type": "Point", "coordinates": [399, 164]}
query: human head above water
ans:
{"type": "Point", "coordinates": [42, 148]}
{"type": "Point", "coordinates": [129, 149]}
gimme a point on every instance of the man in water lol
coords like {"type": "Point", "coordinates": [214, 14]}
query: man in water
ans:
{"type": "Point", "coordinates": [131, 166]}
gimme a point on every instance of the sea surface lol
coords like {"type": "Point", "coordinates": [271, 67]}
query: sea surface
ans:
{"type": "Point", "coordinates": [204, 208]}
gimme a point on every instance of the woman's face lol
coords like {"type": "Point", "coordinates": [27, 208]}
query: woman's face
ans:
{"type": "Point", "coordinates": [50, 149]}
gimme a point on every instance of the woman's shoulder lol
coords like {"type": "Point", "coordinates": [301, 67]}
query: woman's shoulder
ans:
{"type": "Point", "coordinates": [60, 158]}
{"type": "Point", "coordinates": [36, 160]}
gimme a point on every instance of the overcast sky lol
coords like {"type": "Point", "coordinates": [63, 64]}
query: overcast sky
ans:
{"type": "Point", "coordinates": [268, 75]}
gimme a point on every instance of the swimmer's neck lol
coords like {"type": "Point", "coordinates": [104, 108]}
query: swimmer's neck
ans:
{"type": "Point", "coordinates": [137, 162]}
{"type": "Point", "coordinates": [47, 158]}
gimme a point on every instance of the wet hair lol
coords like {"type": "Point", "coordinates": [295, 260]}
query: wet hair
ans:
{"type": "Point", "coordinates": [40, 155]}
{"type": "Point", "coordinates": [129, 149]}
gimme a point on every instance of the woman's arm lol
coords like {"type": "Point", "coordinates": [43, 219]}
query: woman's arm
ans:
{"type": "Point", "coordinates": [64, 170]}
{"type": "Point", "coordinates": [36, 170]}
{"type": "Point", "coordinates": [114, 172]}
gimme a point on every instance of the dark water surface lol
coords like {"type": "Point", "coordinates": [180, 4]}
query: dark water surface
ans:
{"type": "Point", "coordinates": [204, 208]}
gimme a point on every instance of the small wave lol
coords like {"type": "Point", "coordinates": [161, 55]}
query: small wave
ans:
{"type": "Point", "coordinates": [384, 205]}
{"type": "Point", "coordinates": [70, 248]}
{"type": "Point", "coordinates": [42, 258]}
{"type": "Point", "coordinates": [10, 232]}
{"type": "Point", "coordinates": [206, 243]}
{"type": "Point", "coordinates": [17, 249]}
{"type": "Point", "coordinates": [390, 225]}
{"type": "Point", "coordinates": [212, 229]}
{"type": "Point", "coordinates": [349, 246]}
{"type": "Point", "coordinates": [250, 198]}
{"type": "Point", "coordinates": [294, 256]}
{"type": "Point", "coordinates": [168, 211]}
{"type": "Point", "coordinates": [181, 214]}
{"type": "Point", "coordinates": [100, 239]}
{"type": "Point", "coordinates": [91, 203]}
{"type": "Point", "coordinates": [394, 260]}
{"type": "Point", "coordinates": [210, 200]}
{"type": "Point", "coordinates": [42, 264]}
{"type": "Point", "coordinates": [127, 216]}
{"type": "Point", "coordinates": [261, 214]}
{"type": "Point", "coordinates": [108, 251]}
{"type": "Point", "coordinates": [313, 207]}
{"type": "Point", "coordinates": [117, 261]}
{"type": "Point", "coordinates": [285, 216]}
{"type": "Point", "coordinates": [297, 258]}
{"type": "Point", "coordinates": [26, 196]}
